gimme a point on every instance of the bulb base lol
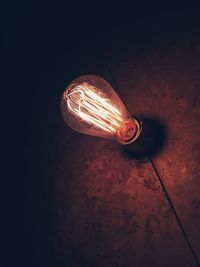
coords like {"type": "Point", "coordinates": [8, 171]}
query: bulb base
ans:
{"type": "Point", "coordinates": [129, 131]}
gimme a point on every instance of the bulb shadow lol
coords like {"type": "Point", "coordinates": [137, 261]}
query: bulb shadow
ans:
{"type": "Point", "coordinates": [151, 140]}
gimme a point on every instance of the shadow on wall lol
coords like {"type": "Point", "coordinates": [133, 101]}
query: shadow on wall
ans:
{"type": "Point", "coordinates": [151, 140]}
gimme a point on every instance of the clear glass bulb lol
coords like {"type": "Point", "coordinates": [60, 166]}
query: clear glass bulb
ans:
{"type": "Point", "coordinates": [89, 105]}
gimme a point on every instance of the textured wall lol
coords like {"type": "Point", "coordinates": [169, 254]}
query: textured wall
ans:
{"type": "Point", "coordinates": [86, 202]}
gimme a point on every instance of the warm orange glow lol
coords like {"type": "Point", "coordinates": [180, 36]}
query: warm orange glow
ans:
{"type": "Point", "coordinates": [90, 106]}
{"type": "Point", "coordinates": [86, 102]}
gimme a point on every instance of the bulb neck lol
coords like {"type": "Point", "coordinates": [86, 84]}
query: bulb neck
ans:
{"type": "Point", "coordinates": [129, 131]}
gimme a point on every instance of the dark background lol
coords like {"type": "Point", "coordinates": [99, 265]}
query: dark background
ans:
{"type": "Point", "coordinates": [44, 46]}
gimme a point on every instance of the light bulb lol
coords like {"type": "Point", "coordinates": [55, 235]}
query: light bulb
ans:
{"type": "Point", "coordinates": [90, 105]}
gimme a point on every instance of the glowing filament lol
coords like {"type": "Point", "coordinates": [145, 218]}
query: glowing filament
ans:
{"type": "Point", "coordinates": [84, 102]}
